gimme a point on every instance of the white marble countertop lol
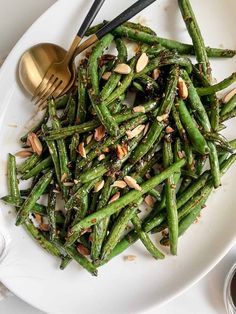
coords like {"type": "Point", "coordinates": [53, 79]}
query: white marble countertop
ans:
{"type": "Point", "coordinates": [205, 297]}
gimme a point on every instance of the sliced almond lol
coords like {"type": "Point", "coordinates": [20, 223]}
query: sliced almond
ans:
{"type": "Point", "coordinates": [68, 184]}
{"type": "Point", "coordinates": [132, 183]}
{"type": "Point", "coordinates": [229, 95]}
{"type": "Point", "coordinates": [56, 191]}
{"type": "Point", "coordinates": [183, 89]}
{"type": "Point", "coordinates": [101, 157]}
{"type": "Point", "coordinates": [63, 177]}
{"type": "Point", "coordinates": [82, 249]}
{"type": "Point", "coordinates": [35, 143]}
{"type": "Point", "coordinates": [122, 68]}
{"type": "Point", "coordinates": [149, 200]}
{"type": "Point", "coordinates": [139, 109]}
{"type": "Point", "coordinates": [38, 218]}
{"type": "Point", "coordinates": [181, 154]}
{"type": "Point", "coordinates": [106, 76]}
{"type": "Point", "coordinates": [155, 74]}
{"type": "Point", "coordinates": [163, 117]}
{"type": "Point", "coordinates": [142, 62]}
{"type": "Point", "coordinates": [169, 130]}
{"type": "Point", "coordinates": [76, 181]}
{"type": "Point", "coordinates": [24, 154]}
{"type": "Point", "coordinates": [130, 258]}
{"type": "Point", "coordinates": [99, 185]}
{"type": "Point", "coordinates": [114, 198]}
{"type": "Point", "coordinates": [106, 150]}
{"type": "Point", "coordinates": [99, 133]}
{"type": "Point", "coordinates": [121, 151]}
{"type": "Point", "coordinates": [136, 131]}
{"type": "Point", "coordinates": [89, 139]}
{"type": "Point", "coordinates": [82, 151]}
{"type": "Point", "coordinates": [119, 184]}
{"type": "Point", "coordinates": [44, 227]}
{"type": "Point", "coordinates": [146, 129]}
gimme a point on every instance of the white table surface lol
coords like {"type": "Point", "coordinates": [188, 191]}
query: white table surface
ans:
{"type": "Point", "coordinates": [205, 297]}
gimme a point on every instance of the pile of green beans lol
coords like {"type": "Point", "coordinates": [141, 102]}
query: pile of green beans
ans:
{"type": "Point", "coordinates": [105, 158]}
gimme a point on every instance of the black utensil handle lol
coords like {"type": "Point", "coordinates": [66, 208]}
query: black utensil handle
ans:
{"type": "Point", "coordinates": [124, 16]}
{"type": "Point", "coordinates": [90, 17]}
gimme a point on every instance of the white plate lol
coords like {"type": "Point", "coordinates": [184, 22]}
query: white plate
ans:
{"type": "Point", "coordinates": [121, 287]}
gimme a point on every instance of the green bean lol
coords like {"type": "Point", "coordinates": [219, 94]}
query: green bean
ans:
{"type": "Point", "coordinates": [139, 27]}
{"type": "Point", "coordinates": [12, 179]}
{"type": "Point", "coordinates": [117, 230]}
{"type": "Point", "coordinates": [152, 249]}
{"type": "Point", "coordinates": [82, 95]}
{"type": "Point", "coordinates": [195, 33]}
{"type": "Point", "coordinates": [219, 139]}
{"type": "Point", "coordinates": [92, 30]}
{"type": "Point", "coordinates": [71, 115]}
{"type": "Point", "coordinates": [29, 163]}
{"type": "Point", "coordinates": [178, 60]}
{"type": "Point", "coordinates": [65, 262]}
{"type": "Point", "coordinates": [100, 107]}
{"type": "Point", "coordinates": [62, 151]}
{"type": "Point", "coordinates": [52, 147]}
{"type": "Point", "coordinates": [200, 111]}
{"type": "Point", "coordinates": [100, 229]}
{"type": "Point", "coordinates": [33, 197]}
{"type": "Point", "coordinates": [229, 106]}
{"type": "Point", "coordinates": [171, 207]}
{"type": "Point", "coordinates": [73, 147]}
{"type": "Point", "coordinates": [125, 200]}
{"type": "Point", "coordinates": [51, 211]}
{"type": "Point", "coordinates": [82, 260]}
{"type": "Point", "coordinates": [182, 48]}
{"type": "Point", "coordinates": [41, 239]}
{"type": "Point", "coordinates": [228, 115]}
{"type": "Point", "coordinates": [157, 127]}
{"type": "Point", "coordinates": [195, 135]}
{"type": "Point", "coordinates": [40, 167]}
{"type": "Point", "coordinates": [203, 91]}
{"type": "Point", "coordinates": [181, 200]}
{"type": "Point", "coordinates": [125, 83]}
{"type": "Point", "coordinates": [61, 101]}
{"type": "Point", "coordinates": [114, 79]}
{"type": "Point", "coordinates": [38, 208]}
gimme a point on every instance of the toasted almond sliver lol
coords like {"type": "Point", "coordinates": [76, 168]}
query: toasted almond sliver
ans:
{"type": "Point", "coordinates": [136, 131]}
{"type": "Point", "coordinates": [23, 154]}
{"type": "Point", "coordinates": [68, 184]}
{"type": "Point", "coordinates": [130, 258]}
{"type": "Point", "coordinates": [121, 151]}
{"type": "Point", "coordinates": [99, 133]}
{"type": "Point", "coordinates": [162, 117]}
{"type": "Point", "coordinates": [101, 157]}
{"type": "Point", "coordinates": [35, 143]}
{"type": "Point", "coordinates": [155, 74]}
{"type": "Point", "coordinates": [229, 95]}
{"type": "Point", "coordinates": [82, 249]}
{"type": "Point", "coordinates": [122, 68]}
{"type": "Point", "coordinates": [44, 227]}
{"type": "Point", "coordinates": [183, 89]}
{"type": "Point", "coordinates": [139, 109]}
{"type": "Point", "coordinates": [132, 183]}
{"type": "Point", "coordinates": [38, 218]}
{"type": "Point", "coordinates": [76, 181]}
{"type": "Point", "coordinates": [181, 154]}
{"type": "Point", "coordinates": [106, 75]}
{"type": "Point", "coordinates": [82, 151]}
{"type": "Point", "coordinates": [149, 200]}
{"type": "Point", "coordinates": [106, 150]}
{"type": "Point", "coordinates": [114, 197]}
{"type": "Point", "coordinates": [99, 185]}
{"type": "Point", "coordinates": [56, 191]}
{"type": "Point", "coordinates": [89, 139]}
{"type": "Point", "coordinates": [119, 184]}
{"type": "Point", "coordinates": [146, 129]}
{"type": "Point", "coordinates": [63, 177]}
{"type": "Point", "coordinates": [169, 130]}
{"type": "Point", "coordinates": [142, 62]}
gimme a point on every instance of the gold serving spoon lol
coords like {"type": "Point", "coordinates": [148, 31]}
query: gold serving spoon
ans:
{"type": "Point", "coordinates": [35, 62]}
